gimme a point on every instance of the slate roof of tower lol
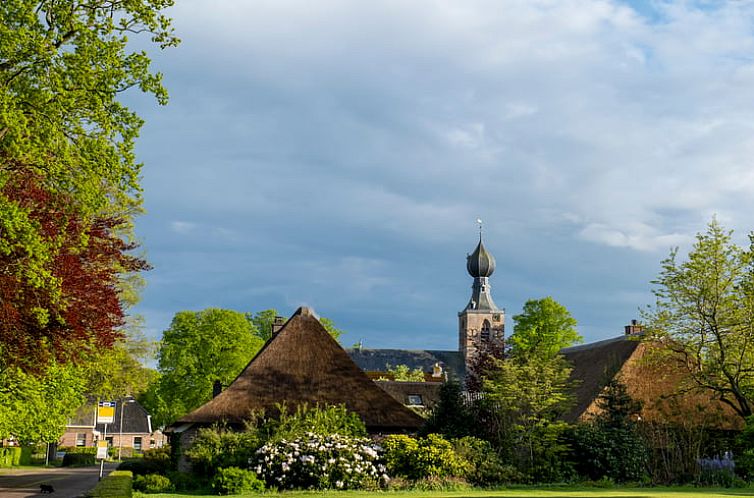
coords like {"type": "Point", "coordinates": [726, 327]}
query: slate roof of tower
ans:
{"type": "Point", "coordinates": [480, 263]}
{"type": "Point", "coordinates": [303, 364]}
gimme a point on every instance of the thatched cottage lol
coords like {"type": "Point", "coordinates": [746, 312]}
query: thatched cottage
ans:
{"type": "Point", "coordinates": [301, 364]}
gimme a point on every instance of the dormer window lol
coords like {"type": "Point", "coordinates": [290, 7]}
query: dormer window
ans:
{"type": "Point", "coordinates": [415, 400]}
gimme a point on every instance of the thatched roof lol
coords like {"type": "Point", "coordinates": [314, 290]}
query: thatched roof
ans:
{"type": "Point", "coordinates": [428, 392]}
{"type": "Point", "coordinates": [303, 364]}
{"type": "Point", "coordinates": [653, 380]}
{"type": "Point", "coordinates": [594, 365]}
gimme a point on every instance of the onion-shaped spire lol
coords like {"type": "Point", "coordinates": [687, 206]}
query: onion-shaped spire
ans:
{"type": "Point", "coordinates": [480, 263]}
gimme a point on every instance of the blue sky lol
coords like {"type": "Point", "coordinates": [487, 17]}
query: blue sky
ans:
{"type": "Point", "coordinates": [337, 154]}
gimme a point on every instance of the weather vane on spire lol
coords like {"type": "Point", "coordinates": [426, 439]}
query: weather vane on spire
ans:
{"type": "Point", "coordinates": [479, 221]}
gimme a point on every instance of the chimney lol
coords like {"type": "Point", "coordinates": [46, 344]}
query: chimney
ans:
{"type": "Point", "coordinates": [217, 388]}
{"type": "Point", "coordinates": [634, 328]}
{"type": "Point", "coordinates": [277, 324]}
{"type": "Point", "coordinates": [437, 371]}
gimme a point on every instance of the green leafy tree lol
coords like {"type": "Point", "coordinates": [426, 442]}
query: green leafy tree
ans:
{"type": "Point", "coordinates": [402, 373]}
{"type": "Point", "coordinates": [704, 315]}
{"type": "Point", "coordinates": [63, 67]}
{"type": "Point", "coordinates": [196, 350]}
{"type": "Point", "coordinates": [527, 398]}
{"type": "Point", "coordinates": [120, 371]}
{"type": "Point", "coordinates": [543, 328]}
{"type": "Point", "coordinates": [451, 416]}
{"type": "Point", "coordinates": [35, 407]}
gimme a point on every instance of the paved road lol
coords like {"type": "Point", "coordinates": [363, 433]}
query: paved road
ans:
{"type": "Point", "coordinates": [68, 482]}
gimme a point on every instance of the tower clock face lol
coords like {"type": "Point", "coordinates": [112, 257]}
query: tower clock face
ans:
{"type": "Point", "coordinates": [496, 317]}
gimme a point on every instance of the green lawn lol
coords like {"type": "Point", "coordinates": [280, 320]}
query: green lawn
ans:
{"type": "Point", "coordinates": [564, 492]}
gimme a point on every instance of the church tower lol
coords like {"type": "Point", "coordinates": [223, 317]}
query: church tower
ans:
{"type": "Point", "coordinates": [482, 324]}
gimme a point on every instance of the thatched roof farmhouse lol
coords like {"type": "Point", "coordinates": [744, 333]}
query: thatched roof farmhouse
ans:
{"type": "Point", "coordinates": [303, 364]}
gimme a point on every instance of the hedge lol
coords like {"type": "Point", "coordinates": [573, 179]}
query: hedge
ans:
{"type": "Point", "coordinates": [10, 456]}
{"type": "Point", "coordinates": [118, 484]}
{"type": "Point", "coordinates": [83, 450]}
{"type": "Point", "coordinates": [78, 459]}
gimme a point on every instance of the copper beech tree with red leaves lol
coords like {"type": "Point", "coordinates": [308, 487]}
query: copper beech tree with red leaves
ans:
{"type": "Point", "coordinates": [83, 310]}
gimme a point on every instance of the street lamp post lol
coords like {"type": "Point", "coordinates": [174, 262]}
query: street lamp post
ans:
{"type": "Point", "coordinates": [120, 436]}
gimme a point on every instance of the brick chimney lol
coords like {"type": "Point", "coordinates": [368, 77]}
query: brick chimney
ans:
{"type": "Point", "coordinates": [277, 324]}
{"type": "Point", "coordinates": [634, 328]}
{"type": "Point", "coordinates": [437, 371]}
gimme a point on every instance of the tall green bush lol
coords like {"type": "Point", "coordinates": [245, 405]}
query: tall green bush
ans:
{"type": "Point", "coordinates": [451, 417]}
{"type": "Point", "coordinates": [216, 447]}
{"type": "Point", "coordinates": [416, 458]}
{"type": "Point", "coordinates": [611, 446]}
{"type": "Point", "coordinates": [323, 420]}
{"type": "Point", "coordinates": [486, 468]}
{"type": "Point", "coordinates": [745, 450]}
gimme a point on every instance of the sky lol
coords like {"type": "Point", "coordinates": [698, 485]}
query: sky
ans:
{"type": "Point", "coordinates": [336, 154]}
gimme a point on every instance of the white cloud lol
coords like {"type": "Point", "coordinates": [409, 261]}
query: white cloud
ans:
{"type": "Point", "coordinates": [182, 227]}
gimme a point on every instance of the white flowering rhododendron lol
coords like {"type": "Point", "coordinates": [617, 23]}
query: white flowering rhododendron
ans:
{"type": "Point", "coordinates": [320, 462]}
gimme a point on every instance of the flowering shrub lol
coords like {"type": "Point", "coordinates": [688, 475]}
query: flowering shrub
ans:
{"type": "Point", "coordinates": [717, 471]}
{"type": "Point", "coordinates": [431, 456]}
{"type": "Point", "coordinates": [315, 461]}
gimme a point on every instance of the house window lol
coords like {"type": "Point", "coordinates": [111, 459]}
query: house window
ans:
{"type": "Point", "coordinates": [137, 443]}
{"type": "Point", "coordinates": [81, 439]}
{"type": "Point", "coordinates": [109, 440]}
{"type": "Point", "coordinates": [415, 399]}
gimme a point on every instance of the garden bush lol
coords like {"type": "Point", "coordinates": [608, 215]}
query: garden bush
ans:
{"type": "Point", "coordinates": [745, 450]}
{"type": "Point", "coordinates": [118, 484]}
{"type": "Point", "coordinates": [217, 447]}
{"type": "Point", "coordinates": [153, 483]}
{"type": "Point", "coordinates": [618, 453]}
{"type": "Point", "coordinates": [611, 446]}
{"type": "Point", "coordinates": [323, 420]}
{"type": "Point", "coordinates": [431, 456]}
{"type": "Point", "coordinates": [161, 455]}
{"type": "Point", "coordinates": [233, 480]}
{"type": "Point", "coordinates": [78, 459]}
{"type": "Point", "coordinates": [83, 450]}
{"type": "Point", "coordinates": [486, 468]}
{"type": "Point", "coordinates": [315, 461]}
{"type": "Point", "coordinates": [186, 481]}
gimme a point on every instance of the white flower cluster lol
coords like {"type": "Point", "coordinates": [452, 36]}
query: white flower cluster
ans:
{"type": "Point", "coordinates": [320, 462]}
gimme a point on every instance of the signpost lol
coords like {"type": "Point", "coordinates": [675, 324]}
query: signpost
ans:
{"type": "Point", "coordinates": [105, 415]}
